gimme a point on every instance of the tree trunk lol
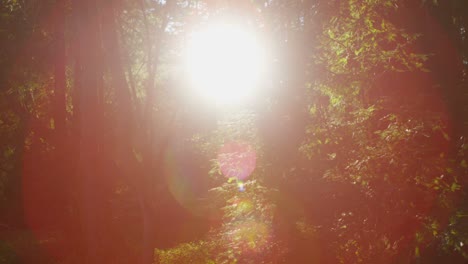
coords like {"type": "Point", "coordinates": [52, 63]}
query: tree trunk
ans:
{"type": "Point", "coordinates": [92, 191]}
{"type": "Point", "coordinates": [59, 105]}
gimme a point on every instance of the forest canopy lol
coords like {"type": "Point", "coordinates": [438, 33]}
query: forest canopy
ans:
{"type": "Point", "coordinates": [222, 131]}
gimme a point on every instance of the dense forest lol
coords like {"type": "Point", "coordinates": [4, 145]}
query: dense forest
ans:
{"type": "Point", "coordinates": [352, 148]}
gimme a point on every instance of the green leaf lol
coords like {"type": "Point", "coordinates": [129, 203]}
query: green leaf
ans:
{"type": "Point", "coordinates": [455, 187]}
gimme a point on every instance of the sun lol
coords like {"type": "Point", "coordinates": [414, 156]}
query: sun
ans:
{"type": "Point", "coordinates": [224, 62]}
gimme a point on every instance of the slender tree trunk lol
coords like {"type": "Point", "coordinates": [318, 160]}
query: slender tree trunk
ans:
{"type": "Point", "coordinates": [125, 131]}
{"type": "Point", "coordinates": [153, 153]}
{"type": "Point", "coordinates": [59, 107]}
{"type": "Point", "coordinates": [62, 162]}
{"type": "Point", "coordinates": [92, 197]}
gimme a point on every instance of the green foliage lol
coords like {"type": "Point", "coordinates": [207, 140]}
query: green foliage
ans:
{"type": "Point", "coordinates": [390, 158]}
{"type": "Point", "coordinates": [247, 234]}
{"type": "Point", "coordinates": [361, 43]}
{"type": "Point", "coordinates": [199, 252]}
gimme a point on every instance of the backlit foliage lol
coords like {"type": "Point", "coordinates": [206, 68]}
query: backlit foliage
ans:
{"type": "Point", "coordinates": [375, 149]}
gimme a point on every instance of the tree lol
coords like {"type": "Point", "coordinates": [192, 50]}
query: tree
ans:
{"type": "Point", "coordinates": [364, 135]}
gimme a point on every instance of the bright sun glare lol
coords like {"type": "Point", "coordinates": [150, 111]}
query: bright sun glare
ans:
{"type": "Point", "coordinates": [224, 62]}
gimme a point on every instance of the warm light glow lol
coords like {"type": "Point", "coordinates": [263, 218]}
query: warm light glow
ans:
{"type": "Point", "coordinates": [237, 160]}
{"type": "Point", "coordinates": [224, 62]}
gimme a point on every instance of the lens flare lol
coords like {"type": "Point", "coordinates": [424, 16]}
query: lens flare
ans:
{"type": "Point", "coordinates": [237, 160]}
{"type": "Point", "coordinates": [187, 185]}
{"type": "Point", "coordinates": [241, 186]}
